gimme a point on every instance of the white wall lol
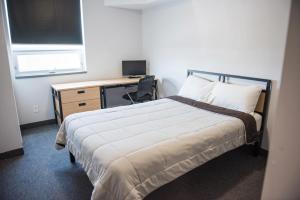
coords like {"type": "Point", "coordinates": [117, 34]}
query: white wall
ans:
{"type": "Point", "coordinates": [282, 180]}
{"type": "Point", "coordinates": [111, 35]}
{"type": "Point", "coordinates": [231, 36]}
{"type": "Point", "coordinates": [10, 135]}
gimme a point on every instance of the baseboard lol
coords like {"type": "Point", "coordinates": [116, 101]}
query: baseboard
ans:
{"type": "Point", "coordinates": [37, 124]}
{"type": "Point", "coordinates": [12, 153]}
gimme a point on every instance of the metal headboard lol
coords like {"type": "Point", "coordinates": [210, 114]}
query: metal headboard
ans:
{"type": "Point", "coordinates": [266, 91]}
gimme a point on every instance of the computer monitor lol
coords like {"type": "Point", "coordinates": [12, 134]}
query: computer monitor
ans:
{"type": "Point", "coordinates": [133, 67]}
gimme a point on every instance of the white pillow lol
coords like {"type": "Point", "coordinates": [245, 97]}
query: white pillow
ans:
{"type": "Point", "coordinates": [196, 88]}
{"type": "Point", "coordinates": [236, 97]}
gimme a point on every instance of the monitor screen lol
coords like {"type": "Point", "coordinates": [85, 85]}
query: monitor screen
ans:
{"type": "Point", "coordinates": [133, 67]}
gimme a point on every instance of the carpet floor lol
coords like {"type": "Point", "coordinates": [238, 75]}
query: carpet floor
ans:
{"type": "Point", "coordinates": [45, 173]}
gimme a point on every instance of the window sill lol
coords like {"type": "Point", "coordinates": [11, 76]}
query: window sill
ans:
{"type": "Point", "coordinates": [37, 75]}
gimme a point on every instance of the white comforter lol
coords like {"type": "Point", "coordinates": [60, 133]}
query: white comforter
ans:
{"type": "Point", "coordinates": [127, 152]}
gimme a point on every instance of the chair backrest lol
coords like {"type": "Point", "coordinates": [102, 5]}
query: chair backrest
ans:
{"type": "Point", "coordinates": [145, 86]}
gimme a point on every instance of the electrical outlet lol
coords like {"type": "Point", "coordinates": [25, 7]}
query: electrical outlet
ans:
{"type": "Point", "coordinates": [35, 108]}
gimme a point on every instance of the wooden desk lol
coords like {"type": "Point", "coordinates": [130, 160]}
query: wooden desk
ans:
{"type": "Point", "coordinates": [69, 98]}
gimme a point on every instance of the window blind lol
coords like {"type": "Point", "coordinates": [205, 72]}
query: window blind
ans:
{"type": "Point", "coordinates": [45, 21]}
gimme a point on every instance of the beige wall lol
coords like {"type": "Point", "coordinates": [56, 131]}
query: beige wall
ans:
{"type": "Point", "coordinates": [282, 180]}
{"type": "Point", "coordinates": [230, 36]}
{"type": "Point", "coordinates": [10, 135]}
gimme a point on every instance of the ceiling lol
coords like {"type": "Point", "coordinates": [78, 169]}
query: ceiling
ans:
{"type": "Point", "coordinates": [134, 4]}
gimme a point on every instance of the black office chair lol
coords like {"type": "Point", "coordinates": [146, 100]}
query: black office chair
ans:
{"type": "Point", "coordinates": [144, 91]}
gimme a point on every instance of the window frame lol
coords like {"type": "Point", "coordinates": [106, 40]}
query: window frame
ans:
{"type": "Point", "coordinates": [47, 49]}
{"type": "Point", "coordinates": [35, 49]}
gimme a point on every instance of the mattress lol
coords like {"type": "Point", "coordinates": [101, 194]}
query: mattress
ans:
{"type": "Point", "coordinates": [129, 151]}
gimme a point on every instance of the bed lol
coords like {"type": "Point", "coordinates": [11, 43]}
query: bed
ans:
{"type": "Point", "coordinates": [129, 151]}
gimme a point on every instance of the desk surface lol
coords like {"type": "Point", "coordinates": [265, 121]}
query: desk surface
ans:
{"type": "Point", "coordinates": [97, 83]}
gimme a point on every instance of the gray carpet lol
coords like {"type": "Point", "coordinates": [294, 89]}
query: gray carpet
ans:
{"type": "Point", "coordinates": [44, 173]}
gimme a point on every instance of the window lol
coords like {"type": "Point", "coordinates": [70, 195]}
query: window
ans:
{"type": "Point", "coordinates": [39, 60]}
{"type": "Point", "coordinates": [46, 37]}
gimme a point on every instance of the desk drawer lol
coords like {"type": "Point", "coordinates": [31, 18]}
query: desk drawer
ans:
{"type": "Point", "coordinates": [81, 106]}
{"type": "Point", "coordinates": [83, 94]}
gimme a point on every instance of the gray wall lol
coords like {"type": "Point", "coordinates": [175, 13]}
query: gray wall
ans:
{"type": "Point", "coordinates": [10, 136]}
{"type": "Point", "coordinates": [282, 180]}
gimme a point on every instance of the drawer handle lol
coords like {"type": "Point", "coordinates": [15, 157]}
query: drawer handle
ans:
{"type": "Point", "coordinates": [82, 104]}
{"type": "Point", "coordinates": [81, 92]}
